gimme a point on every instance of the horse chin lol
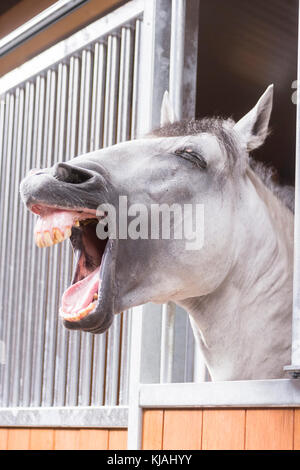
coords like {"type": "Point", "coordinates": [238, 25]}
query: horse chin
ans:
{"type": "Point", "coordinates": [88, 303]}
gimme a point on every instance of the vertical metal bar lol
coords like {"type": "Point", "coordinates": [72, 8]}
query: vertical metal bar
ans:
{"type": "Point", "coordinates": [182, 86]}
{"type": "Point", "coordinates": [109, 138]}
{"type": "Point", "coordinates": [63, 278]}
{"type": "Point", "coordinates": [125, 85]}
{"type": "Point", "coordinates": [73, 340]}
{"type": "Point", "coordinates": [27, 240]}
{"type": "Point", "coordinates": [183, 57]}
{"type": "Point", "coordinates": [2, 115]}
{"type": "Point", "coordinates": [3, 316]}
{"type": "Point", "coordinates": [99, 361]}
{"type": "Point", "coordinates": [154, 63]}
{"type": "Point", "coordinates": [85, 102]}
{"type": "Point", "coordinates": [73, 101]}
{"type": "Point", "coordinates": [136, 63]}
{"type": "Point", "coordinates": [4, 247]}
{"type": "Point", "coordinates": [34, 269]}
{"type": "Point", "coordinates": [167, 342]}
{"type": "Point", "coordinates": [2, 312]}
{"type": "Point", "coordinates": [189, 352]}
{"type": "Point", "coordinates": [135, 411]}
{"type": "Point", "coordinates": [190, 59]}
{"type": "Point", "coordinates": [112, 371]}
{"type": "Point", "coordinates": [54, 264]}
{"type": "Point", "coordinates": [294, 368]}
{"type": "Point", "coordinates": [15, 251]}
{"type": "Point", "coordinates": [86, 352]}
{"type": "Point", "coordinates": [125, 358]}
{"type": "Point", "coordinates": [39, 331]}
{"type": "Point", "coordinates": [177, 56]}
{"type": "Point", "coordinates": [38, 283]}
{"type": "Point", "coordinates": [72, 140]}
{"type": "Point", "coordinates": [130, 68]}
{"type": "Point", "coordinates": [112, 74]}
{"type": "Point", "coordinates": [10, 246]}
{"type": "Point", "coordinates": [96, 138]}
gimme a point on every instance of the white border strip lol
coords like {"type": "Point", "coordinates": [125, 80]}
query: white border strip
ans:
{"type": "Point", "coordinates": [71, 416]}
{"type": "Point", "coordinates": [240, 394]}
{"type": "Point", "coordinates": [105, 25]}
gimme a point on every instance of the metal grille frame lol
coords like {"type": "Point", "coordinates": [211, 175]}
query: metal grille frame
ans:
{"type": "Point", "coordinates": [78, 96]}
{"type": "Point", "coordinates": [101, 86]}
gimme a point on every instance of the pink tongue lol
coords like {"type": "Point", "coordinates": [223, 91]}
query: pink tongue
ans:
{"type": "Point", "coordinates": [81, 294]}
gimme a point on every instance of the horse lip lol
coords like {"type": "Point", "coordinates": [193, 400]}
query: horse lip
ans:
{"type": "Point", "coordinates": [102, 317]}
{"type": "Point", "coordinates": [33, 207]}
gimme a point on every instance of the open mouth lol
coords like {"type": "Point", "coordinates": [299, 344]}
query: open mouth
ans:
{"type": "Point", "coordinates": [83, 298]}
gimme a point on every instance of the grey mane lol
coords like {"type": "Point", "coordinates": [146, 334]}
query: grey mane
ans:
{"type": "Point", "coordinates": [221, 128]}
{"type": "Point", "coordinates": [268, 175]}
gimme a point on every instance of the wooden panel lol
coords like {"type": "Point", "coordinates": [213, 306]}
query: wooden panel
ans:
{"type": "Point", "coordinates": [269, 429]}
{"type": "Point", "coordinates": [152, 429]}
{"type": "Point", "coordinates": [63, 439]}
{"type": "Point", "coordinates": [66, 439]}
{"type": "Point", "coordinates": [182, 429]}
{"type": "Point", "coordinates": [54, 33]}
{"type": "Point", "coordinates": [223, 429]}
{"type": "Point", "coordinates": [3, 438]}
{"type": "Point", "coordinates": [297, 429]}
{"type": "Point", "coordinates": [117, 439]}
{"type": "Point", "coordinates": [18, 439]}
{"type": "Point", "coordinates": [93, 439]}
{"type": "Point", "coordinates": [41, 439]}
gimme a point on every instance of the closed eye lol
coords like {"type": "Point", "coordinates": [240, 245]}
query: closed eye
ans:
{"type": "Point", "coordinates": [193, 156]}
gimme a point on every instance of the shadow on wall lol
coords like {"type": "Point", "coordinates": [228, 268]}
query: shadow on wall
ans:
{"type": "Point", "coordinates": [243, 47]}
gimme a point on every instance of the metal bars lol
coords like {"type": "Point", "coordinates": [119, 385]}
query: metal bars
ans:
{"type": "Point", "coordinates": [101, 86]}
{"type": "Point", "coordinates": [82, 103]}
{"type": "Point", "coordinates": [294, 368]}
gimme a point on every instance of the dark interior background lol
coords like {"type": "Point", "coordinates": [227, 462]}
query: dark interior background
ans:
{"type": "Point", "coordinates": [244, 45]}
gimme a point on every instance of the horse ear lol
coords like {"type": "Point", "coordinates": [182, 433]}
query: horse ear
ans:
{"type": "Point", "coordinates": [167, 115]}
{"type": "Point", "coordinates": [253, 127]}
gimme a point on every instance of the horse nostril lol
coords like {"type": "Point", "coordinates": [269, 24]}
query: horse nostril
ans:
{"type": "Point", "coordinates": [70, 174]}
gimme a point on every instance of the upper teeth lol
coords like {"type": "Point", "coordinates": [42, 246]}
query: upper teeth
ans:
{"type": "Point", "coordinates": [45, 238]}
{"type": "Point", "coordinates": [54, 226]}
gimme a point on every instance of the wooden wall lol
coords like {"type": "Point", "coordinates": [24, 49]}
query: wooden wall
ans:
{"type": "Point", "coordinates": [62, 439]}
{"type": "Point", "coordinates": [222, 429]}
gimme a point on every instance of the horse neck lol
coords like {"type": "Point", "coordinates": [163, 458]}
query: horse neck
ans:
{"type": "Point", "coordinates": [244, 327]}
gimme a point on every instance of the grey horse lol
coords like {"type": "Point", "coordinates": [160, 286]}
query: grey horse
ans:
{"type": "Point", "coordinates": [236, 286]}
